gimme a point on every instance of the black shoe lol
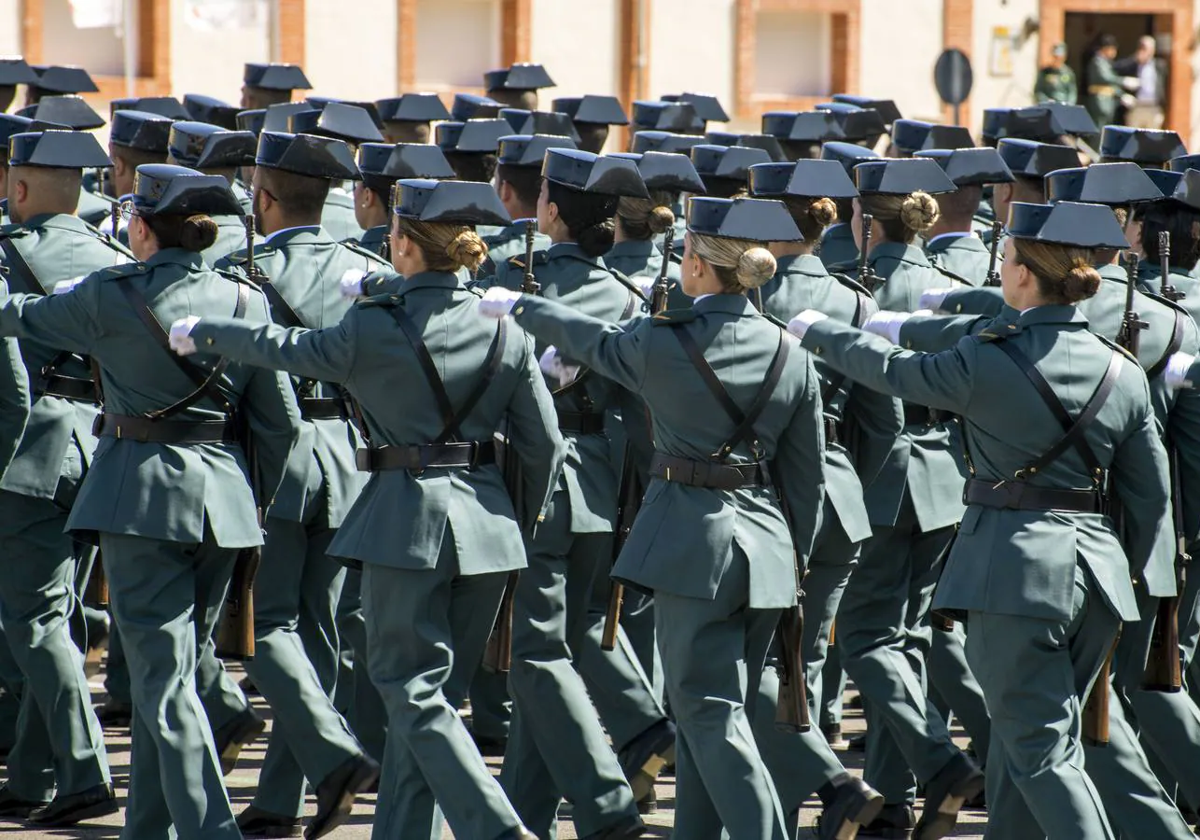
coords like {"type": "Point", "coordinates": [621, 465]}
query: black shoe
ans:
{"type": "Point", "coordinates": [895, 822]}
{"type": "Point", "coordinates": [255, 822]}
{"type": "Point", "coordinates": [248, 687]}
{"type": "Point", "coordinates": [114, 715]}
{"type": "Point", "coordinates": [489, 747]}
{"type": "Point", "coordinates": [645, 757]}
{"type": "Point", "coordinates": [855, 702]}
{"type": "Point", "coordinates": [235, 736]}
{"type": "Point", "coordinates": [979, 801]}
{"type": "Point", "coordinates": [648, 804]}
{"type": "Point", "coordinates": [336, 792]}
{"type": "Point", "coordinates": [626, 828]}
{"type": "Point", "coordinates": [14, 807]}
{"type": "Point", "coordinates": [854, 805]}
{"type": "Point", "coordinates": [945, 795]}
{"type": "Point", "coordinates": [833, 734]}
{"type": "Point", "coordinates": [63, 811]}
{"type": "Point", "coordinates": [856, 743]}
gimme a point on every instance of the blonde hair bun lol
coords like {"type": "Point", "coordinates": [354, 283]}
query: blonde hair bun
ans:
{"type": "Point", "coordinates": [919, 211]}
{"type": "Point", "coordinates": [661, 219]}
{"type": "Point", "coordinates": [1081, 282]}
{"type": "Point", "coordinates": [823, 211]}
{"type": "Point", "coordinates": [467, 249]}
{"type": "Point", "coordinates": [755, 267]}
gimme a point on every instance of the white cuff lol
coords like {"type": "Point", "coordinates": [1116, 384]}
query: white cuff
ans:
{"type": "Point", "coordinates": [1177, 370]}
{"type": "Point", "coordinates": [799, 325]}
{"type": "Point", "coordinates": [180, 338]}
{"type": "Point", "coordinates": [646, 283]}
{"type": "Point", "coordinates": [934, 298]}
{"type": "Point", "coordinates": [351, 284]}
{"type": "Point", "coordinates": [64, 286]}
{"type": "Point", "coordinates": [887, 324]}
{"type": "Point", "coordinates": [498, 302]}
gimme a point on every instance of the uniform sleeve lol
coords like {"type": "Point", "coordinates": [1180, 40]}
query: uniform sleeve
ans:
{"type": "Point", "coordinates": [269, 404]}
{"type": "Point", "coordinates": [935, 333]}
{"type": "Point", "coordinates": [939, 380]}
{"type": "Point", "coordinates": [533, 433]}
{"type": "Point", "coordinates": [617, 352]}
{"type": "Point", "coordinates": [14, 400]}
{"type": "Point", "coordinates": [1141, 479]}
{"type": "Point", "coordinates": [1193, 374]}
{"type": "Point", "coordinates": [974, 300]}
{"type": "Point", "coordinates": [327, 355]}
{"type": "Point", "coordinates": [799, 469]}
{"type": "Point", "coordinates": [65, 322]}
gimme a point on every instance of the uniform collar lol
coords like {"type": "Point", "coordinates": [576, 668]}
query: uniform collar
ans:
{"type": "Point", "coordinates": [177, 256]}
{"type": "Point", "coordinates": [957, 239]}
{"type": "Point", "coordinates": [571, 249]}
{"type": "Point", "coordinates": [286, 235]}
{"type": "Point", "coordinates": [800, 264]}
{"type": "Point", "coordinates": [1052, 314]}
{"type": "Point", "coordinates": [732, 304]}
{"type": "Point", "coordinates": [431, 280]}
{"type": "Point", "coordinates": [62, 221]}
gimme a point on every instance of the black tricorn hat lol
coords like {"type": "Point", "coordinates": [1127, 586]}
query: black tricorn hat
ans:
{"type": "Point", "coordinates": [665, 141]}
{"type": "Point", "coordinates": [478, 137]}
{"type": "Point", "coordinates": [472, 106]}
{"type": "Point", "coordinates": [276, 76]}
{"type": "Point", "coordinates": [729, 162]}
{"type": "Point", "coordinates": [1066, 223]}
{"type": "Point", "coordinates": [539, 122]}
{"type": "Point", "coordinates": [319, 102]}
{"type": "Point", "coordinates": [592, 108]}
{"type": "Point", "coordinates": [306, 154]}
{"type": "Point", "coordinates": [11, 124]}
{"type": "Point", "coordinates": [707, 106]}
{"type": "Point", "coordinates": [252, 120]}
{"type": "Point", "coordinates": [667, 116]}
{"type": "Point", "coordinates": [1114, 184]}
{"type": "Point", "coordinates": [1047, 123]}
{"type": "Point", "coordinates": [847, 155]}
{"type": "Point", "coordinates": [161, 189]}
{"type": "Point", "coordinates": [1074, 119]}
{"type": "Point", "coordinates": [164, 106]}
{"type": "Point", "coordinates": [402, 160]}
{"type": "Point", "coordinates": [804, 179]}
{"type": "Point", "coordinates": [918, 136]}
{"type": "Point", "coordinates": [765, 142]}
{"type": "Point", "coordinates": [57, 150]}
{"type": "Point", "coordinates": [203, 146]}
{"type": "Point", "coordinates": [1030, 159]}
{"type": "Point", "coordinates": [1183, 163]}
{"type": "Point", "coordinates": [63, 79]}
{"type": "Point", "coordinates": [338, 120]}
{"type": "Point", "coordinates": [721, 138]}
{"type": "Point", "coordinates": [1165, 179]}
{"type": "Point", "coordinates": [140, 130]}
{"type": "Point", "coordinates": [666, 171]}
{"type": "Point", "coordinates": [971, 167]}
{"type": "Point", "coordinates": [995, 123]}
{"type": "Point", "coordinates": [802, 126]}
{"type": "Point", "coordinates": [1187, 191]}
{"type": "Point", "coordinates": [856, 123]}
{"type": "Point", "coordinates": [449, 202]}
{"type": "Point", "coordinates": [71, 111]}
{"type": "Point", "coordinates": [902, 176]}
{"type": "Point", "coordinates": [209, 109]}
{"type": "Point", "coordinates": [529, 150]}
{"type": "Point", "coordinates": [1146, 146]}
{"type": "Point", "coordinates": [600, 174]}
{"type": "Point", "coordinates": [756, 219]}
{"type": "Point", "coordinates": [279, 116]}
{"type": "Point", "coordinates": [522, 76]}
{"type": "Point", "coordinates": [15, 71]}
{"type": "Point", "coordinates": [412, 107]}
{"type": "Point", "coordinates": [887, 108]}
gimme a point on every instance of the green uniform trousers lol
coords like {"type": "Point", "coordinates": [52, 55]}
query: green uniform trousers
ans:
{"type": "Point", "coordinates": [953, 688]}
{"type": "Point", "coordinates": [556, 746]}
{"type": "Point", "coordinates": [637, 619]}
{"type": "Point", "coordinates": [12, 687]}
{"type": "Point", "coordinates": [356, 697]}
{"type": "Point", "coordinates": [714, 653]}
{"type": "Point", "coordinates": [426, 632]}
{"type": "Point", "coordinates": [833, 686]}
{"type": "Point", "coordinates": [166, 598]}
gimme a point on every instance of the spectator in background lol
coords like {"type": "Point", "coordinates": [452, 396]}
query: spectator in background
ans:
{"type": "Point", "coordinates": [1104, 85]}
{"type": "Point", "coordinates": [1056, 81]}
{"type": "Point", "coordinates": [1146, 103]}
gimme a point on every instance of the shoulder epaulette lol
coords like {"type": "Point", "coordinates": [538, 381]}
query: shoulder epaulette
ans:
{"type": "Point", "coordinates": [987, 336]}
{"type": "Point", "coordinates": [350, 244]}
{"type": "Point", "coordinates": [955, 276]}
{"type": "Point", "coordinates": [518, 260]}
{"type": "Point", "coordinates": [673, 316]}
{"type": "Point", "coordinates": [126, 270]}
{"type": "Point", "coordinates": [850, 283]}
{"type": "Point", "coordinates": [13, 231]}
{"type": "Point", "coordinates": [1114, 346]}
{"type": "Point", "coordinates": [380, 300]}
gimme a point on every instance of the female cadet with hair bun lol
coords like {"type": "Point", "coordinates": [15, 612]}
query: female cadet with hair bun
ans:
{"type": "Point", "coordinates": [434, 529]}
{"type": "Point", "coordinates": [1038, 567]}
{"type": "Point", "coordinates": [711, 540]}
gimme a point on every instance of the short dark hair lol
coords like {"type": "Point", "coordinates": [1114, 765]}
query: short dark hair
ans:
{"type": "Point", "coordinates": [1182, 223]}
{"type": "Point", "coordinates": [297, 193]}
{"type": "Point", "coordinates": [526, 181]}
{"type": "Point", "coordinates": [472, 167]}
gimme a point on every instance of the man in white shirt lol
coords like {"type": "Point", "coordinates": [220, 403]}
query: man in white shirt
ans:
{"type": "Point", "coordinates": [1145, 106]}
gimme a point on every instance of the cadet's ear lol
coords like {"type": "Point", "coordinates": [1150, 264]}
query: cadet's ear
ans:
{"type": "Point", "coordinates": [21, 192]}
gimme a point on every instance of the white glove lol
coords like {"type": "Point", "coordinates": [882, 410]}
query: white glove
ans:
{"type": "Point", "coordinates": [552, 365]}
{"type": "Point", "coordinates": [934, 298]}
{"type": "Point", "coordinates": [498, 302]}
{"type": "Point", "coordinates": [1131, 83]}
{"type": "Point", "coordinates": [1177, 370]}
{"type": "Point", "coordinates": [64, 286]}
{"type": "Point", "coordinates": [352, 283]}
{"type": "Point", "coordinates": [180, 339]}
{"type": "Point", "coordinates": [645, 283]}
{"type": "Point", "coordinates": [1128, 100]}
{"type": "Point", "coordinates": [799, 325]}
{"type": "Point", "coordinates": [887, 324]}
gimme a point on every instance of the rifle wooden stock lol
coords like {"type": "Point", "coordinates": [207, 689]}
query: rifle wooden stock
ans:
{"type": "Point", "coordinates": [497, 657]}
{"type": "Point", "coordinates": [832, 633]}
{"type": "Point", "coordinates": [96, 591]}
{"type": "Point", "coordinates": [1164, 671]}
{"type": "Point", "coordinates": [629, 500]}
{"type": "Point", "coordinates": [791, 709]}
{"type": "Point", "coordinates": [1095, 709]}
{"type": "Point", "coordinates": [612, 616]}
{"type": "Point", "coordinates": [235, 633]}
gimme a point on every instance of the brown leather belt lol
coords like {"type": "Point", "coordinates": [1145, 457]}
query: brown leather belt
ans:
{"type": "Point", "coordinates": [1020, 495]}
{"type": "Point", "coordinates": [468, 455]}
{"type": "Point", "coordinates": [710, 474]}
{"type": "Point", "coordinates": [581, 422]}
{"type": "Point", "coordinates": [66, 387]}
{"type": "Point", "coordinates": [1102, 90]}
{"type": "Point", "coordinates": [315, 408]}
{"type": "Point", "coordinates": [176, 432]}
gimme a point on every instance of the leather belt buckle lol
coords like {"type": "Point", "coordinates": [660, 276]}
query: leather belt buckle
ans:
{"type": "Point", "coordinates": [364, 460]}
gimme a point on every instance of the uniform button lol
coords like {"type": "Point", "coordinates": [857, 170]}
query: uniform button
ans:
{"type": "Point", "coordinates": [817, 350]}
{"type": "Point", "coordinates": [1012, 326]}
{"type": "Point", "coordinates": [209, 341]}
{"type": "Point", "coordinates": [520, 310]}
{"type": "Point", "coordinates": [958, 309]}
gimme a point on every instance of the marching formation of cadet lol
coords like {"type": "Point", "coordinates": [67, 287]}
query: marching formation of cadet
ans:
{"type": "Point", "coordinates": [639, 455]}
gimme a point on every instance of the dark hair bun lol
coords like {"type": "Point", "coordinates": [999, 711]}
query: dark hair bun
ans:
{"type": "Point", "coordinates": [199, 232]}
{"type": "Point", "coordinates": [597, 240]}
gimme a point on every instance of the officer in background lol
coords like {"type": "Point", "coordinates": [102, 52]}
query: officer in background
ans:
{"type": "Point", "coordinates": [1056, 81]}
{"type": "Point", "coordinates": [1105, 87]}
{"type": "Point", "coordinates": [407, 118]}
{"type": "Point", "coordinates": [264, 85]}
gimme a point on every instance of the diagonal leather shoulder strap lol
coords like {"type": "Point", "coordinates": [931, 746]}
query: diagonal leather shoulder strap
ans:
{"type": "Point", "coordinates": [279, 305]}
{"type": "Point", "coordinates": [1172, 346]}
{"type": "Point", "coordinates": [20, 268]}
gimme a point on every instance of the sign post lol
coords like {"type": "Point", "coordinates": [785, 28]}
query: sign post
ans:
{"type": "Point", "coordinates": [953, 77]}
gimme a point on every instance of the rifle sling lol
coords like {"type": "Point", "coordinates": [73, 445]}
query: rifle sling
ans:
{"type": "Point", "coordinates": [1172, 347]}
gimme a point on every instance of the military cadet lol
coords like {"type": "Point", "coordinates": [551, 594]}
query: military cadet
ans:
{"type": "Point", "coordinates": [838, 249]}
{"type": "Point", "coordinates": [912, 136]}
{"type": "Point", "coordinates": [11, 124]}
{"type": "Point", "coordinates": [215, 151]}
{"type": "Point", "coordinates": [1105, 87]}
{"type": "Point", "coordinates": [169, 562]}
{"type": "Point", "coordinates": [59, 750]}
{"type": "Point", "coordinates": [56, 80]}
{"type": "Point", "coordinates": [556, 747]}
{"type": "Point", "coordinates": [1175, 218]}
{"type": "Point", "coordinates": [1056, 81]}
{"type": "Point", "coordinates": [1149, 148]}
{"type": "Point", "coordinates": [853, 417]}
{"type": "Point", "coordinates": [352, 125]}
{"type": "Point", "coordinates": [1030, 162]}
{"type": "Point", "coordinates": [209, 109]}
{"type": "Point", "coordinates": [673, 117]}
{"type": "Point", "coordinates": [264, 85]}
{"type": "Point", "coordinates": [669, 143]}
{"type": "Point", "coordinates": [13, 71]}
{"type": "Point", "coordinates": [725, 170]}
{"type": "Point", "coordinates": [381, 166]}
{"type": "Point", "coordinates": [472, 106]}
{"type": "Point", "coordinates": [593, 116]}
{"type": "Point", "coordinates": [518, 182]}
{"type": "Point", "coordinates": [95, 203]}
{"type": "Point", "coordinates": [800, 134]}
{"type": "Point", "coordinates": [951, 245]}
{"type": "Point", "coordinates": [298, 585]}
{"type": "Point", "coordinates": [406, 118]}
{"type": "Point", "coordinates": [434, 550]}
{"type": "Point", "coordinates": [913, 505]}
{"type": "Point", "coordinates": [471, 147]}
{"type": "Point", "coordinates": [715, 610]}
{"type": "Point", "coordinates": [135, 138]}
{"type": "Point", "coordinates": [518, 85]}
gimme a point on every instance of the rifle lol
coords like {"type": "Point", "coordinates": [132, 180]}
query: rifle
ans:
{"type": "Point", "coordinates": [1163, 669]}
{"type": "Point", "coordinates": [529, 283]}
{"type": "Point", "coordinates": [234, 637]}
{"type": "Point", "coordinates": [791, 707]}
{"type": "Point", "coordinates": [248, 222]}
{"type": "Point", "coordinates": [1165, 288]}
{"type": "Point", "coordinates": [658, 300]}
{"type": "Point", "coordinates": [1129, 336]}
{"type": "Point", "coordinates": [993, 275]}
{"type": "Point", "coordinates": [96, 591]}
{"type": "Point", "coordinates": [1095, 710]}
{"type": "Point", "coordinates": [115, 216]}
{"type": "Point", "coordinates": [866, 272]}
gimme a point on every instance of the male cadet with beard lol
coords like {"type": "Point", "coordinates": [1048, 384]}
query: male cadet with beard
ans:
{"type": "Point", "coordinates": [299, 266]}
{"type": "Point", "coordinates": [58, 772]}
{"type": "Point", "coordinates": [264, 85]}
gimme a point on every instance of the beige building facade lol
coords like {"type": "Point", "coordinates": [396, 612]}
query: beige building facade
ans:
{"type": "Point", "coordinates": [756, 55]}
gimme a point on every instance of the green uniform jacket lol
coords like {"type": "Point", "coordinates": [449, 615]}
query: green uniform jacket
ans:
{"type": "Point", "coordinates": [1103, 90]}
{"type": "Point", "coordinates": [306, 265]}
{"type": "Point", "coordinates": [568, 275]}
{"type": "Point", "coordinates": [644, 258]}
{"type": "Point", "coordinates": [508, 242]}
{"type": "Point", "coordinates": [925, 460]}
{"type": "Point", "coordinates": [962, 257]}
{"type": "Point", "coordinates": [869, 422]}
{"type": "Point", "coordinates": [1023, 563]}
{"type": "Point", "coordinates": [1056, 84]}
{"type": "Point", "coordinates": [1150, 280]}
{"type": "Point", "coordinates": [94, 207]}
{"type": "Point", "coordinates": [683, 538]}
{"type": "Point", "coordinates": [338, 216]}
{"type": "Point", "coordinates": [154, 490]}
{"type": "Point", "coordinates": [372, 239]}
{"type": "Point", "coordinates": [56, 247]}
{"type": "Point", "coordinates": [838, 251]}
{"type": "Point", "coordinates": [402, 517]}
